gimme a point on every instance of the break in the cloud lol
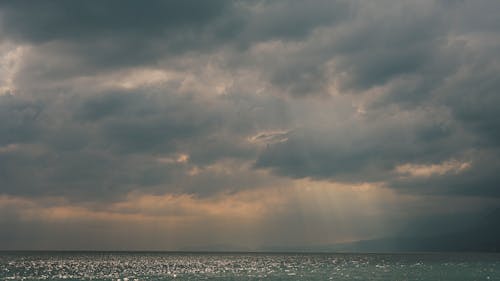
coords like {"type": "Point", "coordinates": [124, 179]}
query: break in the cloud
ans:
{"type": "Point", "coordinates": [199, 116]}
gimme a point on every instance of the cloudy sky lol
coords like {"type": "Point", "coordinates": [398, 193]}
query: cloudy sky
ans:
{"type": "Point", "coordinates": [171, 125]}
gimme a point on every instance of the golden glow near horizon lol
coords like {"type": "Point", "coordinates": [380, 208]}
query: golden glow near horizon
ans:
{"type": "Point", "coordinates": [311, 212]}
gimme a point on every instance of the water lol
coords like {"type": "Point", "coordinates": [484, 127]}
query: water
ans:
{"type": "Point", "coordinates": [195, 266]}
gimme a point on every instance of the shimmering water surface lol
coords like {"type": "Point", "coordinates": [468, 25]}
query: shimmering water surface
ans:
{"type": "Point", "coordinates": [195, 266]}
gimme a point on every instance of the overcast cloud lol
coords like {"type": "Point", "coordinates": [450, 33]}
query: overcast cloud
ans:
{"type": "Point", "coordinates": [244, 111]}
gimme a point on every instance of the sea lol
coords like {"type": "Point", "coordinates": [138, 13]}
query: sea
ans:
{"type": "Point", "coordinates": [129, 266]}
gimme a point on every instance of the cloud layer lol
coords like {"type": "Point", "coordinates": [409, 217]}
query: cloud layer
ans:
{"type": "Point", "coordinates": [103, 103]}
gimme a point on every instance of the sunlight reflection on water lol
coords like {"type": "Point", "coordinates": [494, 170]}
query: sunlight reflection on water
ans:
{"type": "Point", "coordinates": [193, 266]}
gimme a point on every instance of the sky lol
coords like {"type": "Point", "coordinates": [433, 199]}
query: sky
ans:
{"type": "Point", "coordinates": [245, 125]}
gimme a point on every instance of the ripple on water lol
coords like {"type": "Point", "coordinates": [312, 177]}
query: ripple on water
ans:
{"type": "Point", "coordinates": [169, 266]}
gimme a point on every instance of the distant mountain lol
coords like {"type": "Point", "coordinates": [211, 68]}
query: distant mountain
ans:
{"type": "Point", "coordinates": [474, 235]}
{"type": "Point", "coordinates": [484, 236]}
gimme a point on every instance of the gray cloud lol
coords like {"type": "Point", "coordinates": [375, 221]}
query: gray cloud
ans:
{"type": "Point", "coordinates": [367, 148]}
{"type": "Point", "coordinates": [420, 61]}
{"type": "Point", "coordinates": [423, 57]}
{"type": "Point", "coordinates": [94, 37]}
{"type": "Point", "coordinates": [60, 20]}
{"type": "Point", "coordinates": [19, 119]}
{"type": "Point", "coordinates": [101, 146]}
{"type": "Point", "coordinates": [99, 101]}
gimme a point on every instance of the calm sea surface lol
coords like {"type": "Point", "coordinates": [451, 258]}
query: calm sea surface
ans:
{"type": "Point", "coordinates": [195, 266]}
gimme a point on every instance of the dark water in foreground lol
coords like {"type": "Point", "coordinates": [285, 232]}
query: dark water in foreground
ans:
{"type": "Point", "coordinates": [195, 266]}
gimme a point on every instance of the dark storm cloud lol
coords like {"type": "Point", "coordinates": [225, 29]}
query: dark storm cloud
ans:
{"type": "Point", "coordinates": [181, 123]}
{"type": "Point", "coordinates": [100, 146]}
{"type": "Point", "coordinates": [365, 149]}
{"type": "Point", "coordinates": [144, 122]}
{"type": "Point", "coordinates": [414, 81]}
{"type": "Point", "coordinates": [364, 45]}
{"type": "Point", "coordinates": [381, 45]}
{"type": "Point", "coordinates": [433, 56]}
{"type": "Point", "coordinates": [247, 20]}
{"type": "Point", "coordinates": [96, 36]}
{"type": "Point", "coordinates": [19, 119]}
{"type": "Point", "coordinates": [480, 179]}
{"type": "Point", "coordinates": [44, 21]}
{"type": "Point", "coordinates": [290, 20]}
{"type": "Point", "coordinates": [473, 96]}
